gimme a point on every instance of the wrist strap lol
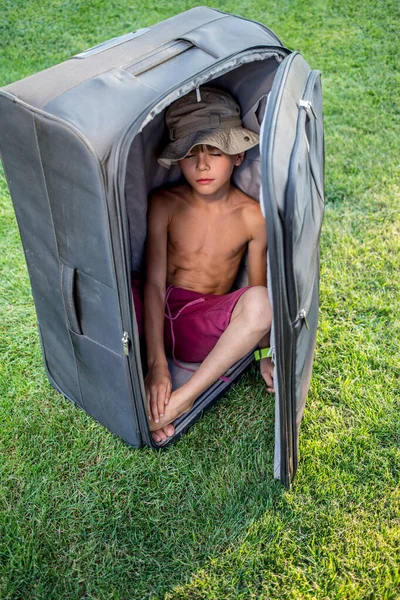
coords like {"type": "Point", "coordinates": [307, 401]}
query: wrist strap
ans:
{"type": "Point", "coordinates": [262, 353]}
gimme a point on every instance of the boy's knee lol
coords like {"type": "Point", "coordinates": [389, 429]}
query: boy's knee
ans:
{"type": "Point", "coordinates": [257, 308]}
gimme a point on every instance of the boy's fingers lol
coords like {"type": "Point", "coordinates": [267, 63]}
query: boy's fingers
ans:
{"type": "Point", "coordinates": [168, 393]}
{"type": "Point", "coordinates": [154, 406]}
{"type": "Point", "coordinates": [159, 396]}
{"type": "Point", "coordinates": [269, 380]}
{"type": "Point", "coordinates": [161, 400]}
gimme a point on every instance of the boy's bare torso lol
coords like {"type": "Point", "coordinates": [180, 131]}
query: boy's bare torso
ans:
{"type": "Point", "coordinates": [196, 241]}
{"type": "Point", "coordinates": [206, 241]}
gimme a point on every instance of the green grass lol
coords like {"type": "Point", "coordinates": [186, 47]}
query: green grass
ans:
{"type": "Point", "coordinates": [84, 516]}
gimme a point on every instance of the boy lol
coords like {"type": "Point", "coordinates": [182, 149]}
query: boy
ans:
{"type": "Point", "coordinates": [198, 233]}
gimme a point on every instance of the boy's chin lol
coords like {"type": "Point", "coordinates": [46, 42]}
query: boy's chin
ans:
{"type": "Point", "coordinates": [209, 188]}
{"type": "Point", "coordinates": [205, 189]}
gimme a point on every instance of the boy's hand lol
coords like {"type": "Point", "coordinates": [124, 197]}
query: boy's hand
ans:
{"type": "Point", "coordinates": [158, 386]}
{"type": "Point", "coordinates": [267, 371]}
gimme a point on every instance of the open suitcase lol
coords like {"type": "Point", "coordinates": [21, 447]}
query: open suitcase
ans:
{"type": "Point", "coordinates": [79, 143]}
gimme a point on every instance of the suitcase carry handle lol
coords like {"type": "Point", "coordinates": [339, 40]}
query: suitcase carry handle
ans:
{"type": "Point", "coordinates": [68, 288]}
{"type": "Point", "coordinates": [158, 57]}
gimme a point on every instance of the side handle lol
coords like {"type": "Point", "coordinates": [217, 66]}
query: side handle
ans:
{"type": "Point", "coordinates": [68, 293]}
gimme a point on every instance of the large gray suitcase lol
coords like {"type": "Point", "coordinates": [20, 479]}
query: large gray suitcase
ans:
{"type": "Point", "coordinates": [79, 143]}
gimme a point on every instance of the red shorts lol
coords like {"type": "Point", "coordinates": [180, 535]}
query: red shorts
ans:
{"type": "Point", "coordinates": [193, 322]}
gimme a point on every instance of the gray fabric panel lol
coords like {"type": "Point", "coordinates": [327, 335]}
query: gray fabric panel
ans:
{"type": "Point", "coordinates": [169, 74]}
{"type": "Point", "coordinates": [286, 127]}
{"type": "Point", "coordinates": [249, 82]}
{"type": "Point", "coordinates": [22, 165]}
{"type": "Point", "coordinates": [136, 192]}
{"type": "Point", "coordinates": [277, 431]}
{"type": "Point", "coordinates": [278, 134]}
{"type": "Point", "coordinates": [307, 218]}
{"type": "Point", "coordinates": [228, 36]}
{"type": "Point", "coordinates": [98, 312]}
{"type": "Point", "coordinates": [296, 196]}
{"type": "Point", "coordinates": [315, 132]}
{"type": "Point", "coordinates": [144, 175]}
{"type": "Point", "coordinates": [76, 196]}
{"type": "Point", "coordinates": [250, 85]}
{"type": "Point", "coordinates": [179, 375]}
{"type": "Point", "coordinates": [102, 107]}
{"type": "Point", "coordinates": [305, 198]}
{"type": "Point", "coordinates": [160, 57]}
{"type": "Point", "coordinates": [277, 434]}
{"type": "Point", "coordinates": [42, 87]}
{"type": "Point", "coordinates": [106, 388]}
{"type": "Point", "coordinates": [305, 345]}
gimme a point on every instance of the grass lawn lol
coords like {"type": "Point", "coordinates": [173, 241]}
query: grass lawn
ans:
{"type": "Point", "coordinates": [84, 516]}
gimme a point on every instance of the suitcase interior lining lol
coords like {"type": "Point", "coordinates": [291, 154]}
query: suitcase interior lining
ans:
{"type": "Point", "coordinates": [250, 85]}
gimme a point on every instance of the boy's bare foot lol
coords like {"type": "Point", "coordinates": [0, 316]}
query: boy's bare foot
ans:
{"type": "Point", "coordinates": [179, 403]}
{"type": "Point", "coordinates": [267, 372]}
{"type": "Point", "coordinates": [162, 434]}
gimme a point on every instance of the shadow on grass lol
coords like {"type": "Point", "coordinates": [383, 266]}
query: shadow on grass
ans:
{"type": "Point", "coordinates": [92, 518]}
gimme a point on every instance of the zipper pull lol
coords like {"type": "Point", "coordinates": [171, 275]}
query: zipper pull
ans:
{"type": "Point", "coordinates": [308, 106]}
{"type": "Point", "coordinates": [303, 315]}
{"type": "Point", "coordinates": [125, 343]}
{"type": "Point", "coordinates": [198, 95]}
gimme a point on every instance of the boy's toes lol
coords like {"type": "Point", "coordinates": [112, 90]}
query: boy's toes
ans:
{"type": "Point", "coordinates": [169, 430]}
{"type": "Point", "coordinates": [158, 436]}
{"type": "Point", "coordinates": [162, 434]}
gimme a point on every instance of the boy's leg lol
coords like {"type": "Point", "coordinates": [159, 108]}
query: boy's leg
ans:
{"type": "Point", "coordinates": [250, 321]}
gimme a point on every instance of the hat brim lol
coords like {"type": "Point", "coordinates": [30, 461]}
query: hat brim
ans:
{"type": "Point", "coordinates": [230, 141]}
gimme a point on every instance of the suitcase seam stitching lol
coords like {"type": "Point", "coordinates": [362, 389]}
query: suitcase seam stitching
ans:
{"type": "Point", "coordinates": [83, 335]}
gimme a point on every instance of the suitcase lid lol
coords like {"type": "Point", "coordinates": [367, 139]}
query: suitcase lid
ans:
{"type": "Point", "coordinates": [215, 32]}
{"type": "Point", "coordinates": [292, 199]}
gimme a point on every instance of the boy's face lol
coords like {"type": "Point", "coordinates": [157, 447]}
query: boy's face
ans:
{"type": "Point", "coordinates": [207, 169]}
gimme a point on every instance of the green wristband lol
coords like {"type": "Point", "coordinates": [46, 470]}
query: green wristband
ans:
{"type": "Point", "coordinates": [263, 353]}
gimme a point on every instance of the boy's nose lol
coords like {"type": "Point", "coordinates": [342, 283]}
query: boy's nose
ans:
{"type": "Point", "coordinates": [202, 162]}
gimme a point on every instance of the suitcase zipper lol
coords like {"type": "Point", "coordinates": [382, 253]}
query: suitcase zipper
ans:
{"type": "Point", "coordinates": [303, 312]}
{"type": "Point", "coordinates": [307, 104]}
{"type": "Point", "coordinates": [301, 317]}
{"type": "Point", "coordinates": [126, 343]}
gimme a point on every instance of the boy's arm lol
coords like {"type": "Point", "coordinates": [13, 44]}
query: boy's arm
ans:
{"type": "Point", "coordinates": [257, 247]}
{"type": "Point", "coordinates": [257, 272]}
{"type": "Point", "coordinates": [158, 379]}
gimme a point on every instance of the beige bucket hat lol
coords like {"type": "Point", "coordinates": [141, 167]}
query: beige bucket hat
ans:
{"type": "Point", "coordinates": [210, 117]}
